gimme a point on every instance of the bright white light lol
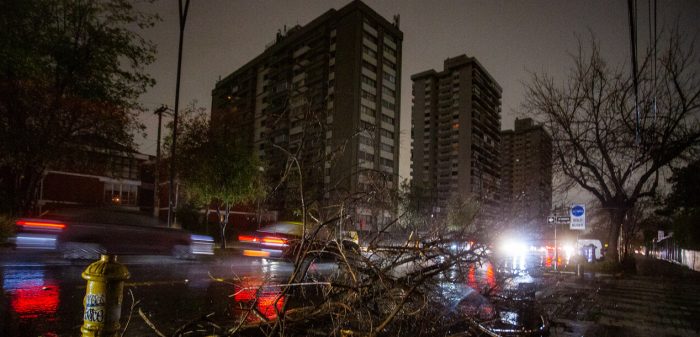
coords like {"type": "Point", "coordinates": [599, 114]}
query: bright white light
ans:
{"type": "Point", "coordinates": [513, 248]}
{"type": "Point", "coordinates": [569, 250]}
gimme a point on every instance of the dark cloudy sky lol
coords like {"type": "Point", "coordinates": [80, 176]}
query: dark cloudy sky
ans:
{"type": "Point", "coordinates": [510, 38]}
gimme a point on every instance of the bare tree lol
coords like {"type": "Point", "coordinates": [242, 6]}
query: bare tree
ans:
{"type": "Point", "coordinates": [607, 144]}
{"type": "Point", "coordinates": [399, 281]}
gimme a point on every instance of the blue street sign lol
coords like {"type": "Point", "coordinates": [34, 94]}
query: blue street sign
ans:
{"type": "Point", "coordinates": [577, 210]}
{"type": "Point", "coordinates": [578, 217]}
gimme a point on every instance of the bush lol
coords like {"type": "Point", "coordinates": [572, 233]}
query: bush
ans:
{"type": "Point", "coordinates": [188, 217]}
{"type": "Point", "coordinates": [7, 228]}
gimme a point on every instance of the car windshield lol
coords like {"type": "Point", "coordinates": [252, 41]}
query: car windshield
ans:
{"type": "Point", "coordinates": [290, 228]}
{"type": "Point", "coordinates": [105, 216]}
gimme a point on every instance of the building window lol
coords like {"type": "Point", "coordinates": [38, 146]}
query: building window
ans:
{"type": "Point", "coordinates": [387, 162]}
{"type": "Point", "coordinates": [120, 194]}
{"type": "Point", "coordinates": [367, 80]}
{"type": "Point", "coordinates": [387, 133]}
{"type": "Point", "coordinates": [371, 38]}
{"type": "Point", "coordinates": [369, 51]}
{"type": "Point", "coordinates": [365, 110]}
{"type": "Point", "coordinates": [387, 119]}
{"type": "Point", "coordinates": [364, 140]}
{"type": "Point", "coordinates": [369, 66]}
{"type": "Point", "coordinates": [389, 91]}
{"type": "Point", "coordinates": [388, 105]}
{"type": "Point", "coordinates": [364, 125]}
{"type": "Point", "coordinates": [365, 156]}
{"type": "Point", "coordinates": [366, 94]}
{"type": "Point", "coordinates": [390, 65]}
{"type": "Point", "coordinates": [123, 167]}
{"type": "Point", "coordinates": [387, 148]}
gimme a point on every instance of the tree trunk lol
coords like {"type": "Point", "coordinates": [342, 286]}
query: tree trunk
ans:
{"type": "Point", "coordinates": [30, 187]}
{"type": "Point", "coordinates": [617, 216]}
{"type": "Point", "coordinates": [223, 222]}
{"type": "Point", "coordinates": [222, 228]}
{"type": "Point", "coordinates": [223, 235]}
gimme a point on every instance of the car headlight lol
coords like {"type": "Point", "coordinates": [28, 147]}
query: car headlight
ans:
{"type": "Point", "coordinates": [513, 248]}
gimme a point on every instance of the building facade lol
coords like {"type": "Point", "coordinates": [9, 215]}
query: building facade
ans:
{"type": "Point", "coordinates": [111, 178]}
{"type": "Point", "coordinates": [455, 132]}
{"type": "Point", "coordinates": [327, 94]}
{"type": "Point", "coordinates": [526, 174]}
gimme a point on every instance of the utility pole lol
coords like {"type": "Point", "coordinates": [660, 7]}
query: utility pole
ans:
{"type": "Point", "coordinates": [183, 18]}
{"type": "Point", "coordinates": [156, 187]}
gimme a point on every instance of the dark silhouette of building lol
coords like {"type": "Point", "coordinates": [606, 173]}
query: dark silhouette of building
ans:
{"type": "Point", "coordinates": [456, 132]}
{"type": "Point", "coordinates": [328, 94]}
{"type": "Point", "coordinates": [526, 174]}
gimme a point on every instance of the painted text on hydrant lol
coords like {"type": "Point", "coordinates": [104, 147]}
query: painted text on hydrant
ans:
{"type": "Point", "coordinates": [94, 307]}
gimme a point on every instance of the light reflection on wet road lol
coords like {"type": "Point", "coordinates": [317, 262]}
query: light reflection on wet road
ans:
{"type": "Point", "coordinates": [46, 298]}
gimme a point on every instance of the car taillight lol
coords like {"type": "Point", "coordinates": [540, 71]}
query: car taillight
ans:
{"type": "Point", "coordinates": [37, 224]}
{"type": "Point", "coordinates": [247, 238]}
{"type": "Point", "coordinates": [274, 240]}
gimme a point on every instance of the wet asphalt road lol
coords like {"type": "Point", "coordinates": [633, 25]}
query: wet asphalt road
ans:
{"type": "Point", "coordinates": [42, 295]}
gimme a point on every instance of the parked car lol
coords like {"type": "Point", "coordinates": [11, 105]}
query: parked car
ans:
{"type": "Point", "coordinates": [86, 233]}
{"type": "Point", "coordinates": [281, 240]}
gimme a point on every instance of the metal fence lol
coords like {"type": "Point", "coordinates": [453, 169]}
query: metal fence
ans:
{"type": "Point", "coordinates": [668, 249]}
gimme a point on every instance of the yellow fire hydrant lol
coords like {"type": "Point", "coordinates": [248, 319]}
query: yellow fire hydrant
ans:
{"type": "Point", "coordinates": [103, 297]}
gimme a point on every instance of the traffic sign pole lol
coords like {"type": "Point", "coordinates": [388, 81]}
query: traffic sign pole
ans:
{"type": "Point", "coordinates": [556, 249]}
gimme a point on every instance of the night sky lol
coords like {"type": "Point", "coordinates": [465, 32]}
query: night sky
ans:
{"type": "Point", "coordinates": [509, 38]}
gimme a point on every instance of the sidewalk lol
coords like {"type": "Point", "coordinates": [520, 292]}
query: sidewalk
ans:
{"type": "Point", "coordinates": [662, 299]}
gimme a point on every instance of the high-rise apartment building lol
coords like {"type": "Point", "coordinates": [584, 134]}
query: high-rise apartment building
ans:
{"type": "Point", "coordinates": [526, 174]}
{"type": "Point", "coordinates": [328, 93]}
{"type": "Point", "coordinates": [455, 134]}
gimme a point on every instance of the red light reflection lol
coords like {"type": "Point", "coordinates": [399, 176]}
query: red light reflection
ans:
{"type": "Point", "coordinates": [267, 297]}
{"type": "Point", "coordinates": [490, 276]}
{"type": "Point", "coordinates": [471, 278]}
{"type": "Point", "coordinates": [480, 277]}
{"type": "Point", "coordinates": [36, 300]}
{"type": "Point", "coordinates": [269, 304]}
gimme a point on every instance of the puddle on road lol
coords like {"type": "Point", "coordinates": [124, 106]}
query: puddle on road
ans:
{"type": "Point", "coordinates": [34, 303]}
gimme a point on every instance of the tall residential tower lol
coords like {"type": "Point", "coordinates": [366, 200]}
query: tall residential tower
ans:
{"type": "Point", "coordinates": [328, 93]}
{"type": "Point", "coordinates": [526, 176]}
{"type": "Point", "coordinates": [455, 134]}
